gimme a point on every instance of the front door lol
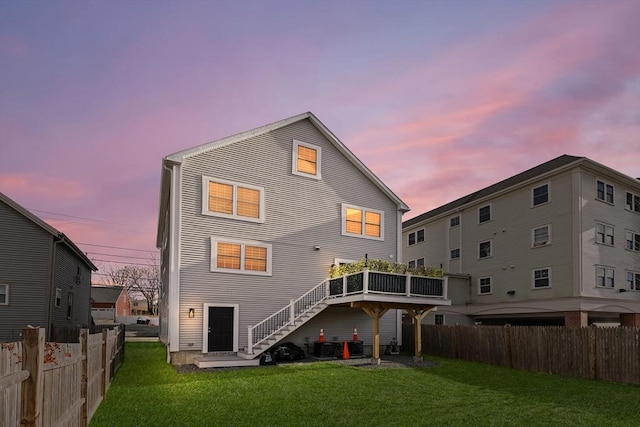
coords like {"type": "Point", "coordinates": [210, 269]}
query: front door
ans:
{"type": "Point", "coordinates": [220, 329]}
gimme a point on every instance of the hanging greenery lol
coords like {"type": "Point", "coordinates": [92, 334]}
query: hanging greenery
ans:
{"type": "Point", "coordinates": [383, 266]}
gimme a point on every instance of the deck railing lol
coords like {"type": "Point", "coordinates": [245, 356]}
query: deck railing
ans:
{"type": "Point", "coordinates": [376, 282]}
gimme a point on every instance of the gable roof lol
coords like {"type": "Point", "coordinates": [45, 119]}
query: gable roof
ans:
{"type": "Point", "coordinates": [48, 228]}
{"type": "Point", "coordinates": [106, 294]}
{"type": "Point", "coordinates": [534, 172]}
{"type": "Point", "coordinates": [180, 156]}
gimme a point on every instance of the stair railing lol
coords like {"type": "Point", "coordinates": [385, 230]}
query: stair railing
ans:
{"type": "Point", "coordinates": [285, 316]}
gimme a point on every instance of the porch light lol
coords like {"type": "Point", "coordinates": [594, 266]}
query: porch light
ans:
{"type": "Point", "coordinates": [192, 313]}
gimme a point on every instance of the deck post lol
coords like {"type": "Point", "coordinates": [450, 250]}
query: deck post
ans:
{"type": "Point", "coordinates": [365, 280]}
{"type": "Point", "coordinates": [408, 284]}
{"type": "Point", "coordinates": [418, 314]}
{"type": "Point", "coordinates": [445, 287]}
{"type": "Point", "coordinates": [292, 311]}
{"type": "Point", "coordinates": [375, 312]}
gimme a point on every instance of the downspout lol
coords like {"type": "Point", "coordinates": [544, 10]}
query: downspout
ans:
{"type": "Point", "coordinates": [56, 240]}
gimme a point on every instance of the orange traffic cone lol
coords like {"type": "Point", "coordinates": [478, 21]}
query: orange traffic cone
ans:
{"type": "Point", "coordinates": [345, 350]}
{"type": "Point", "coordinates": [321, 338]}
{"type": "Point", "coordinates": [355, 334]}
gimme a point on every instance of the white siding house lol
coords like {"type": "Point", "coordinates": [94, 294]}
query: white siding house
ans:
{"type": "Point", "coordinates": [253, 221]}
{"type": "Point", "coordinates": [556, 244]}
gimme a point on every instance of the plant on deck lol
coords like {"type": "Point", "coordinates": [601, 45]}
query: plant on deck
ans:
{"type": "Point", "coordinates": [383, 266]}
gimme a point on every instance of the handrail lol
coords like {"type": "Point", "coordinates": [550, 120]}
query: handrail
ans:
{"type": "Point", "coordinates": [287, 315]}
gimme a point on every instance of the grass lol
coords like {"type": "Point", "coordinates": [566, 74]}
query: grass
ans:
{"type": "Point", "coordinates": [148, 392]}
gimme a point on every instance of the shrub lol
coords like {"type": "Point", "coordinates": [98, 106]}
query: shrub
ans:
{"type": "Point", "coordinates": [384, 267]}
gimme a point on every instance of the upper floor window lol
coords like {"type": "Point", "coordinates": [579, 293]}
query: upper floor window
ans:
{"type": "Point", "coordinates": [455, 221]}
{"type": "Point", "coordinates": [4, 294]}
{"type": "Point", "coordinates": [541, 278]}
{"type": "Point", "coordinates": [240, 256]}
{"type": "Point", "coordinates": [58, 301]}
{"type": "Point", "coordinates": [604, 234]}
{"type": "Point", "coordinates": [454, 253]}
{"type": "Point", "coordinates": [228, 199]}
{"type": "Point", "coordinates": [632, 202]}
{"type": "Point", "coordinates": [633, 280]}
{"type": "Point", "coordinates": [306, 160]}
{"type": "Point", "coordinates": [416, 237]}
{"type": "Point", "coordinates": [411, 264]}
{"type": "Point", "coordinates": [632, 241]}
{"type": "Point", "coordinates": [69, 305]}
{"type": "Point", "coordinates": [540, 195]}
{"type": "Point", "coordinates": [484, 214]}
{"type": "Point", "coordinates": [420, 262]}
{"type": "Point", "coordinates": [604, 191]}
{"type": "Point", "coordinates": [484, 285]}
{"type": "Point", "coordinates": [484, 249]}
{"type": "Point", "coordinates": [605, 276]}
{"type": "Point", "coordinates": [362, 222]}
{"type": "Point", "coordinates": [541, 236]}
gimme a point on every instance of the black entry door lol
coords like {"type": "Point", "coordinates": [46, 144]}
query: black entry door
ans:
{"type": "Point", "coordinates": [220, 329]}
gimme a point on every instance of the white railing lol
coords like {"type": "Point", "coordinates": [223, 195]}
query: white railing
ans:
{"type": "Point", "coordinates": [374, 282]}
{"type": "Point", "coordinates": [285, 316]}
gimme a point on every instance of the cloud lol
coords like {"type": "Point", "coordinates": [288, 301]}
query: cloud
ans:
{"type": "Point", "coordinates": [42, 189]}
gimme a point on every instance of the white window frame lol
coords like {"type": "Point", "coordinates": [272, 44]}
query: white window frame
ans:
{"type": "Point", "coordinates": [363, 235]}
{"type": "Point", "coordinates": [58, 298]}
{"type": "Point", "coordinates": [490, 213]}
{"type": "Point", "coordinates": [451, 257]}
{"type": "Point", "coordinates": [243, 243]}
{"type": "Point", "coordinates": [533, 203]}
{"type": "Point", "coordinates": [458, 222]}
{"type": "Point", "coordinates": [205, 200]}
{"type": "Point", "coordinates": [418, 236]}
{"type": "Point", "coordinates": [606, 269]}
{"type": "Point", "coordinates": [630, 207]}
{"type": "Point", "coordinates": [294, 160]}
{"type": "Point", "coordinates": [6, 294]}
{"type": "Point", "coordinates": [533, 236]}
{"type": "Point", "coordinates": [480, 279]}
{"type": "Point", "coordinates": [605, 235]}
{"type": "Point", "coordinates": [630, 284]}
{"type": "Point", "coordinates": [411, 264]}
{"type": "Point", "coordinates": [490, 241]}
{"type": "Point", "coordinates": [634, 237]}
{"type": "Point", "coordinates": [533, 277]}
{"type": "Point", "coordinates": [413, 233]}
{"type": "Point", "coordinates": [420, 262]}
{"type": "Point", "coordinates": [613, 192]}
{"type": "Point", "coordinates": [438, 316]}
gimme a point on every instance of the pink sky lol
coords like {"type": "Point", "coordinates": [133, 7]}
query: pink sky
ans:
{"type": "Point", "coordinates": [437, 98]}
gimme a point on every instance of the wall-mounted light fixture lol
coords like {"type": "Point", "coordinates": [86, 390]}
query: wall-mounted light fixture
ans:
{"type": "Point", "coordinates": [511, 292]}
{"type": "Point", "coordinates": [192, 313]}
{"type": "Point", "coordinates": [316, 248]}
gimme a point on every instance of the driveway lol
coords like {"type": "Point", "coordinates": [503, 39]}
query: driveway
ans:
{"type": "Point", "coordinates": [135, 330]}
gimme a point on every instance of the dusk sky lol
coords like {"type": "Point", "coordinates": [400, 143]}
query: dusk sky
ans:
{"type": "Point", "coordinates": [437, 98]}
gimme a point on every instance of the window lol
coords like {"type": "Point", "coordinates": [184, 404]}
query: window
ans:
{"type": "Point", "coordinates": [69, 305]}
{"type": "Point", "coordinates": [604, 234]}
{"type": "Point", "coordinates": [454, 254]}
{"type": "Point", "coordinates": [361, 222]}
{"type": "Point", "coordinates": [633, 280]}
{"type": "Point", "coordinates": [541, 278]}
{"type": "Point", "coordinates": [484, 249]}
{"type": "Point", "coordinates": [4, 294]}
{"type": "Point", "coordinates": [605, 277]}
{"type": "Point", "coordinates": [240, 256]}
{"type": "Point", "coordinates": [416, 237]}
{"type": "Point", "coordinates": [632, 241]}
{"type": "Point", "coordinates": [439, 319]}
{"type": "Point", "coordinates": [632, 202]}
{"type": "Point", "coordinates": [604, 192]}
{"type": "Point", "coordinates": [455, 221]}
{"type": "Point", "coordinates": [306, 160]}
{"type": "Point", "coordinates": [540, 195]}
{"type": "Point", "coordinates": [484, 285]}
{"type": "Point", "coordinates": [484, 214]}
{"type": "Point", "coordinates": [228, 199]}
{"type": "Point", "coordinates": [541, 236]}
{"type": "Point", "coordinates": [58, 297]}
{"type": "Point", "coordinates": [411, 264]}
{"type": "Point", "coordinates": [420, 262]}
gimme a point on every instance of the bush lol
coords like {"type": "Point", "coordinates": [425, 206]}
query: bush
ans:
{"type": "Point", "coordinates": [383, 266]}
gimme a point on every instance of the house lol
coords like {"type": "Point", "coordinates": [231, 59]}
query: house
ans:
{"type": "Point", "coordinates": [107, 302]}
{"type": "Point", "coordinates": [45, 279]}
{"type": "Point", "coordinates": [140, 306]}
{"type": "Point", "coordinates": [558, 244]}
{"type": "Point", "coordinates": [249, 227]}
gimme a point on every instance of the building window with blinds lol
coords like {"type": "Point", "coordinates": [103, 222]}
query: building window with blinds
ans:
{"type": "Point", "coordinates": [362, 222]}
{"type": "Point", "coordinates": [228, 199]}
{"type": "Point", "coordinates": [306, 160]}
{"type": "Point", "coordinates": [240, 256]}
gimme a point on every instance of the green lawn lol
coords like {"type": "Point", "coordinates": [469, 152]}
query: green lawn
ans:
{"type": "Point", "coordinates": [148, 392]}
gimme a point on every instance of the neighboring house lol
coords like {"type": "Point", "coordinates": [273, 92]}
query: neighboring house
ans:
{"type": "Point", "coordinates": [251, 222]}
{"type": "Point", "coordinates": [107, 302]}
{"type": "Point", "coordinates": [140, 306]}
{"type": "Point", "coordinates": [558, 244]}
{"type": "Point", "coordinates": [45, 279]}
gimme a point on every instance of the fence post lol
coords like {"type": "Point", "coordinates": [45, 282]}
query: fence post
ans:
{"type": "Point", "coordinates": [33, 387]}
{"type": "Point", "coordinates": [84, 342]}
{"type": "Point", "coordinates": [507, 345]}
{"type": "Point", "coordinates": [593, 352]}
{"type": "Point", "coordinates": [105, 365]}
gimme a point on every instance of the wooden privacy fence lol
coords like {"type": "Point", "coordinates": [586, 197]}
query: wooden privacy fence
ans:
{"type": "Point", "coordinates": [56, 384]}
{"type": "Point", "coordinates": [608, 354]}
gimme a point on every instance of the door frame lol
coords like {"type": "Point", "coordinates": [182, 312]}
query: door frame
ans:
{"type": "Point", "coordinates": [205, 324]}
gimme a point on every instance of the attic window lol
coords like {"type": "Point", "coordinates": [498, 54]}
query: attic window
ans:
{"type": "Point", "coordinates": [228, 199]}
{"type": "Point", "coordinates": [306, 160]}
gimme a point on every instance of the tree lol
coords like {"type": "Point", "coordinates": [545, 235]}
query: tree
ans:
{"type": "Point", "coordinates": [139, 281]}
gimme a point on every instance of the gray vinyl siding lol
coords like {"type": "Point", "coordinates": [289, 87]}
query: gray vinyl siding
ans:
{"type": "Point", "coordinates": [25, 258]}
{"type": "Point", "coordinates": [300, 213]}
{"type": "Point", "coordinates": [65, 277]}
